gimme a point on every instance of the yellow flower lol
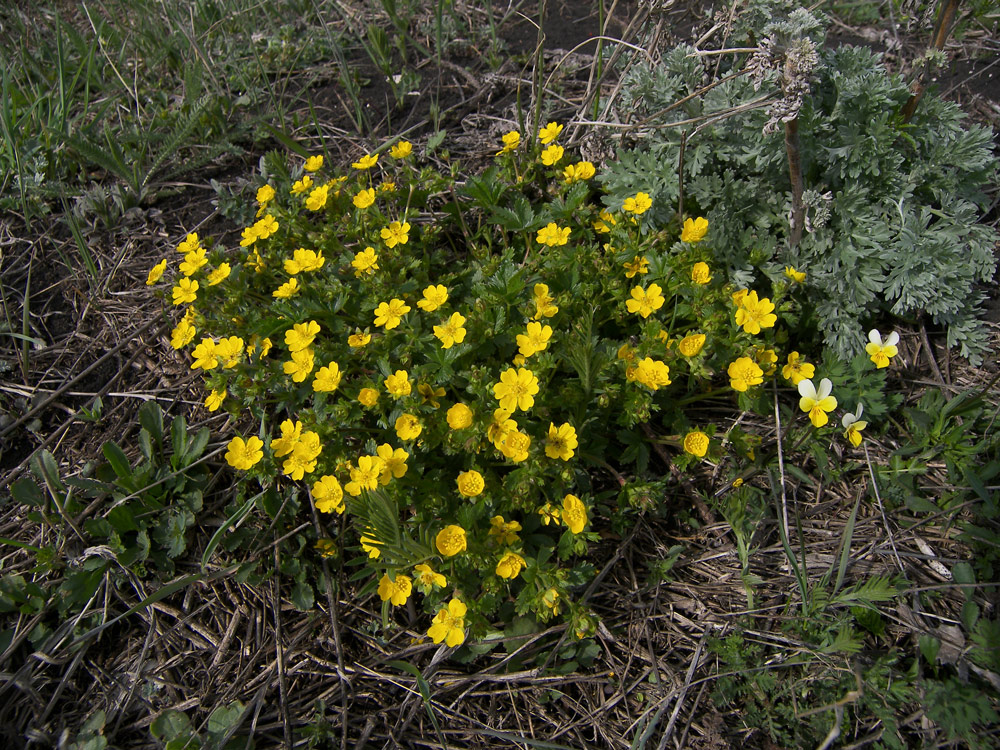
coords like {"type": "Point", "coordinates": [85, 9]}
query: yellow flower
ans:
{"type": "Point", "coordinates": [304, 261]}
{"type": "Point", "coordinates": [389, 314]}
{"type": "Point", "coordinates": [451, 331]}
{"type": "Point", "coordinates": [796, 276]}
{"type": "Point", "coordinates": [739, 296]}
{"type": "Point", "coordinates": [220, 274]}
{"type": "Point", "coordinates": [401, 150]}
{"type": "Point", "coordinates": [366, 162]}
{"type": "Point", "coordinates": [228, 351]}
{"type": "Point", "coordinates": [700, 273]}
{"type": "Point", "coordinates": [303, 457]}
{"type": "Point", "coordinates": [549, 513]}
{"type": "Point", "coordinates": [434, 297]}
{"type": "Point", "coordinates": [637, 265]}
{"type": "Point", "coordinates": [214, 399]}
{"type": "Point", "coordinates": [326, 547]}
{"type": "Point", "coordinates": [408, 427]}
{"type": "Point", "coordinates": [626, 353]}
{"type": "Point", "coordinates": [552, 235]}
{"type": "Point", "coordinates": [318, 197]}
{"type": "Point", "coordinates": [549, 133]}
{"type": "Point", "coordinates": [459, 417]}
{"type": "Point", "coordinates": [364, 198]}
{"type": "Point", "coordinates": [470, 483]}
{"type": "Point", "coordinates": [365, 475]}
{"type": "Point", "coordinates": [398, 384]}
{"type": "Point", "coordinates": [880, 352]}
{"type": "Point", "coordinates": [510, 565]}
{"type": "Point", "coordinates": [301, 186]}
{"type": "Point", "coordinates": [287, 290]}
{"type": "Point", "coordinates": [510, 142]}
{"type": "Point", "coordinates": [514, 445]}
{"type": "Point", "coordinates": [430, 395]}
{"type": "Point", "coordinates": [645, 301]}
{"type": "Point", "coordinates": [183, 334]}
{"type": "Point", "coordinates": [694, 230]}
{"type": "Point", "coordinates": [244, 454]}
{"type": "Point", "coordinates": [561, 442]}
{"type": "Point", "coordinates": [604, 222]}
{"type": "Point", "coordinates": [551, 600]}
{"type": "Point", "coordinates": [313, 163]}
{"type": "Point", "coordinates": [265, 194]}
{"type": "Point", "coordinates": [387, 187]}
{"type": "Point", "coordinates": [853, 425]}
{"type": "Point", "coordinates": [189, 244]}
{"type": "Point", "coordinates": [249, 236]}
{"type": "Point", "coordinates": [767, 359]}
{"type": "Point", "coordinates": [449, 624]}
{"type": "Point", "coordinates": [505, 532]}
{"type": "Point", "coordinates": [796, 370]}
{"type": "Point", "coordinates": [817, 402]}
{"type": "Point", "coordinates": [368, 397]}
{"type": "Point", "coordinates": [300, 365]}
{"type": "Point", "coordinates": [574, 513]}
{"type": "Point", "coordinates": [551, 155]}
{"type": "Point", "coordinates": [691, 344]}
{"type": "Point", "coordinates": [186, 291]}
{"type": "Point", "coordinates": [365, 262]}
{"type": "Point", "coordinates": [516, 389]}
{"type": "Point", "coordinates": [358, 340]}
{"type": "Point", "coordinates": [393, 462]}
{"type": "Point", "coordinates": [743, 373]}
{"type": "Point", "coordinates": [156, 272]}
{"type": "Point", "coordinates": [450, 540]}
{"type": "Point", "coordinates": [204, 355]}
{"type": "Point", "coordinates": [696, 443]}
{"type": "Point", "coordinates": [754, 314]}
{"type": "Point", "coordinates": [328, 496]}
{"type": "Point", "coordinates": [652, 373]}
{"type": "Point", "coordinates": [266, 227]}
{"type": "Point", "coordinates": [637, 204]}
{"type": "Point", "coordinates": [291, 433]}
{"type": "Point", "coordinates": [535, 339]}
{"type": "Point", "coordinates": [301, 335]}
{"type": "Point", "coordinates": [327, 378]}
{"type": "Point", "coordinates": [427, 579]}
{"type": "Point", "coordinates": [582, 170]}
{"type": "Point", "coordinates": [396, 234]}
{"type": "Point", "coordinates": [394, 590]}
{"type": "Point", "coordinates": [255, 262]}
{"type": "Point", "coordinates": [370, 545]}
{"type": "Point", "coordinates": [544, 307]}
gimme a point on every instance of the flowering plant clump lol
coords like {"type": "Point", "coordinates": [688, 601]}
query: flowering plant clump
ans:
{"type": "Point", "coordinates": [448, 379]}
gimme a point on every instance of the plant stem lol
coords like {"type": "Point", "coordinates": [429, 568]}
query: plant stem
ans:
{"type": "Point", "coordinates": [941, 30]}
{"type": "Point", "coordinates": [795, 176]}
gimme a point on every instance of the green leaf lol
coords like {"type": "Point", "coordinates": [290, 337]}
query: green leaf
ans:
{"type": "Point", "coordinates": [303, 597]}
{"type": "Point", "coordinates": [225, 718]}
{"type": "Point", "coordinates": [118, 460]}
{"type": "Point", "coordinates": [179, 440]}
{"type": "Point", "coordinates": [26, 492]}
{"type": "Point", "coordinates": [151, 420]}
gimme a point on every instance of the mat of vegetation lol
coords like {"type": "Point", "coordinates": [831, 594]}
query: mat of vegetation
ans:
{"type": "Point", "coordinates": [450, 375]}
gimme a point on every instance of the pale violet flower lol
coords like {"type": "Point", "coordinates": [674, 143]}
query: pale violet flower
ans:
{"type": "Point", "coordinates": [853, 425]}
{"type": "Point", "coordinates": [816, 403]}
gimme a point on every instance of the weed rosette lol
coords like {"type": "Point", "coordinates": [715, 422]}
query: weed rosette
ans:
{"type": "Point", "coordinates": [465, 377]}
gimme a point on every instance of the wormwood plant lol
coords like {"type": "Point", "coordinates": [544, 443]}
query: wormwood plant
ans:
{"type": "Point", "coordinates": [799, 155]}
{"type": "Point", "coordinates": [471, 373]}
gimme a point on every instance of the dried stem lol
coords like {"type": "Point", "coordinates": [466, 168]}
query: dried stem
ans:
{"type": "Point", "coordinates": [941, 31]}
{"type": "Point", "coordinates": [795, 175]}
